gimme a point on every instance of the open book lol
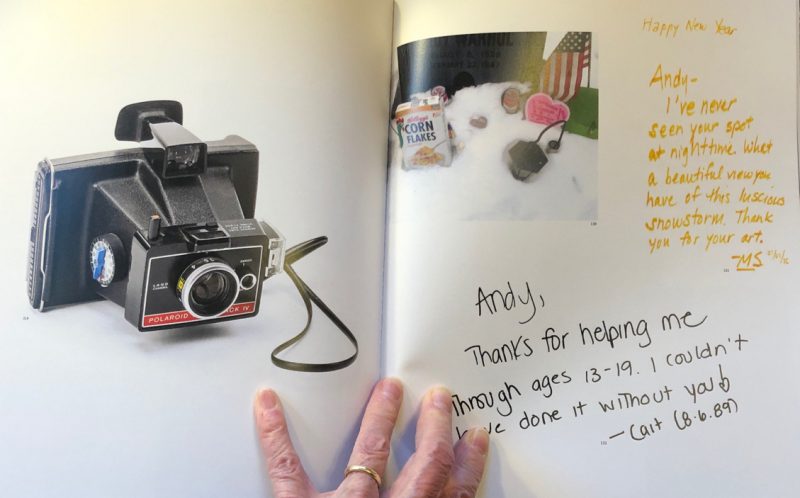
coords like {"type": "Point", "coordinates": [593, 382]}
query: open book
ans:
{"type": "Point", "coordinates": [579, 217]}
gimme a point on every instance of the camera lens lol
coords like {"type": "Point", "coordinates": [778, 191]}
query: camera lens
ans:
{"type": "Point", "coordinates": [208, 287]}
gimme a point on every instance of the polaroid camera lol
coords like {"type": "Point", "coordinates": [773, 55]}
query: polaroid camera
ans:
{"type": "Point", "coordinates": [165, 230]}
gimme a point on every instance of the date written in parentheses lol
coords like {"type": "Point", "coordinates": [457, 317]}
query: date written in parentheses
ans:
{"type": "Point", "coordinates": [686, 419]}
{"type": "Point", "coordinates": [683, 420]}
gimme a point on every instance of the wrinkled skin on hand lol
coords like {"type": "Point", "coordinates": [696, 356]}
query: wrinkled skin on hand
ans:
{"type": "Point", "coordinates": [437, 469]}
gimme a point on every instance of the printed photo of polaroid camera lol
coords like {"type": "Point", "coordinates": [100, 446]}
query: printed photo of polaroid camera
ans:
{"type": "Point", "coordinates": [165, 230]}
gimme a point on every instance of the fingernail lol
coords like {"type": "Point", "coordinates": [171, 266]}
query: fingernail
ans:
{"type": "Point", "coordinates": [391, 388]}
{"type": "Point", "coordinates": [267, 399]}
{"type": "Point", "coordinates": [440, 397]}
{"type": "Point", "coordinates": [478, 438]}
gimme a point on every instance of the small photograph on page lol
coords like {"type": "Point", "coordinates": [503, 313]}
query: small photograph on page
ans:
{"type": "Point", "coordinates": [495, 126]}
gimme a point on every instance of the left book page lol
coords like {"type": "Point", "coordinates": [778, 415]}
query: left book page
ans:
{"type": "Point", "coordinates": [91, 406]}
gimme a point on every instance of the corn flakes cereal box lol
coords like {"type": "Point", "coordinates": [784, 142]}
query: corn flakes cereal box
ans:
{"type": "Point", "coordinates": [424, 134]}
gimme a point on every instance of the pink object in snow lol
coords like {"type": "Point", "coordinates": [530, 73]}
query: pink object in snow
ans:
{"type": "Point", "coordinates": [541, 108]}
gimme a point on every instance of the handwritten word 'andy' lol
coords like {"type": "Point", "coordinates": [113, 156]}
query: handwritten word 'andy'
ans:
{"type": "Point", "coordinates": [497, 300]}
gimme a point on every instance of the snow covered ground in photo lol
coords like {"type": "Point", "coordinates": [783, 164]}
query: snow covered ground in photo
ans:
{"type": "Point", "coordinates": [478, 185]}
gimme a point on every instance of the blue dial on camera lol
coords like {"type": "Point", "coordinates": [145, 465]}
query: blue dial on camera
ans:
{"type": "Point", "coordinates": [102, 261]}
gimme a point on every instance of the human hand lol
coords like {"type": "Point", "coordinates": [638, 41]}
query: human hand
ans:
{"type": "Point", "coordinates": [435, 470]}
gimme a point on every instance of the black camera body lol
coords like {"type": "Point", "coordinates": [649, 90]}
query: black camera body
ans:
{"type": "Point", "coordinates": [198, 272]}
{"type": "Point", "coordinates": [165, 230]}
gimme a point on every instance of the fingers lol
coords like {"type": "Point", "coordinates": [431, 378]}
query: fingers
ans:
{"type": "Point", "coordinates": [470, 460]}
{"type": "Point", "coordinates": [373, 442]}
{"type": "Point", "coordinates": [427, 471]}
{"type": "Point", "coordinates": [289, 480]}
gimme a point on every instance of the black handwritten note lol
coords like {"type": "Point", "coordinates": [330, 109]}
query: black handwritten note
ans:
{"type": "Point", "coordinates": [521, 403]}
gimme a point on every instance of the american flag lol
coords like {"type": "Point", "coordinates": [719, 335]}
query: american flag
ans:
{"type": "Point", "coordinates": [561, 75]}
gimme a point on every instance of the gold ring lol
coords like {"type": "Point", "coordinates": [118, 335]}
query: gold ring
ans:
{"type": "Point", "coordinates": [360, 468]}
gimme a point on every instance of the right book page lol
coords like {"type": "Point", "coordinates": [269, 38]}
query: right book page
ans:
{"type": "Point", "coordinates": [592, 241]}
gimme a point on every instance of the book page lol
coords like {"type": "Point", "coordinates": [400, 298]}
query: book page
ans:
{"type": "Point", "coordinates": [89, 405]}
{"type": "Point", "coordinates": [592, 241]}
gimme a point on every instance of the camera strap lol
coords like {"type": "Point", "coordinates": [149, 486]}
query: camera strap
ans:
{"type": "Point", "coordinates": [292, 255]}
